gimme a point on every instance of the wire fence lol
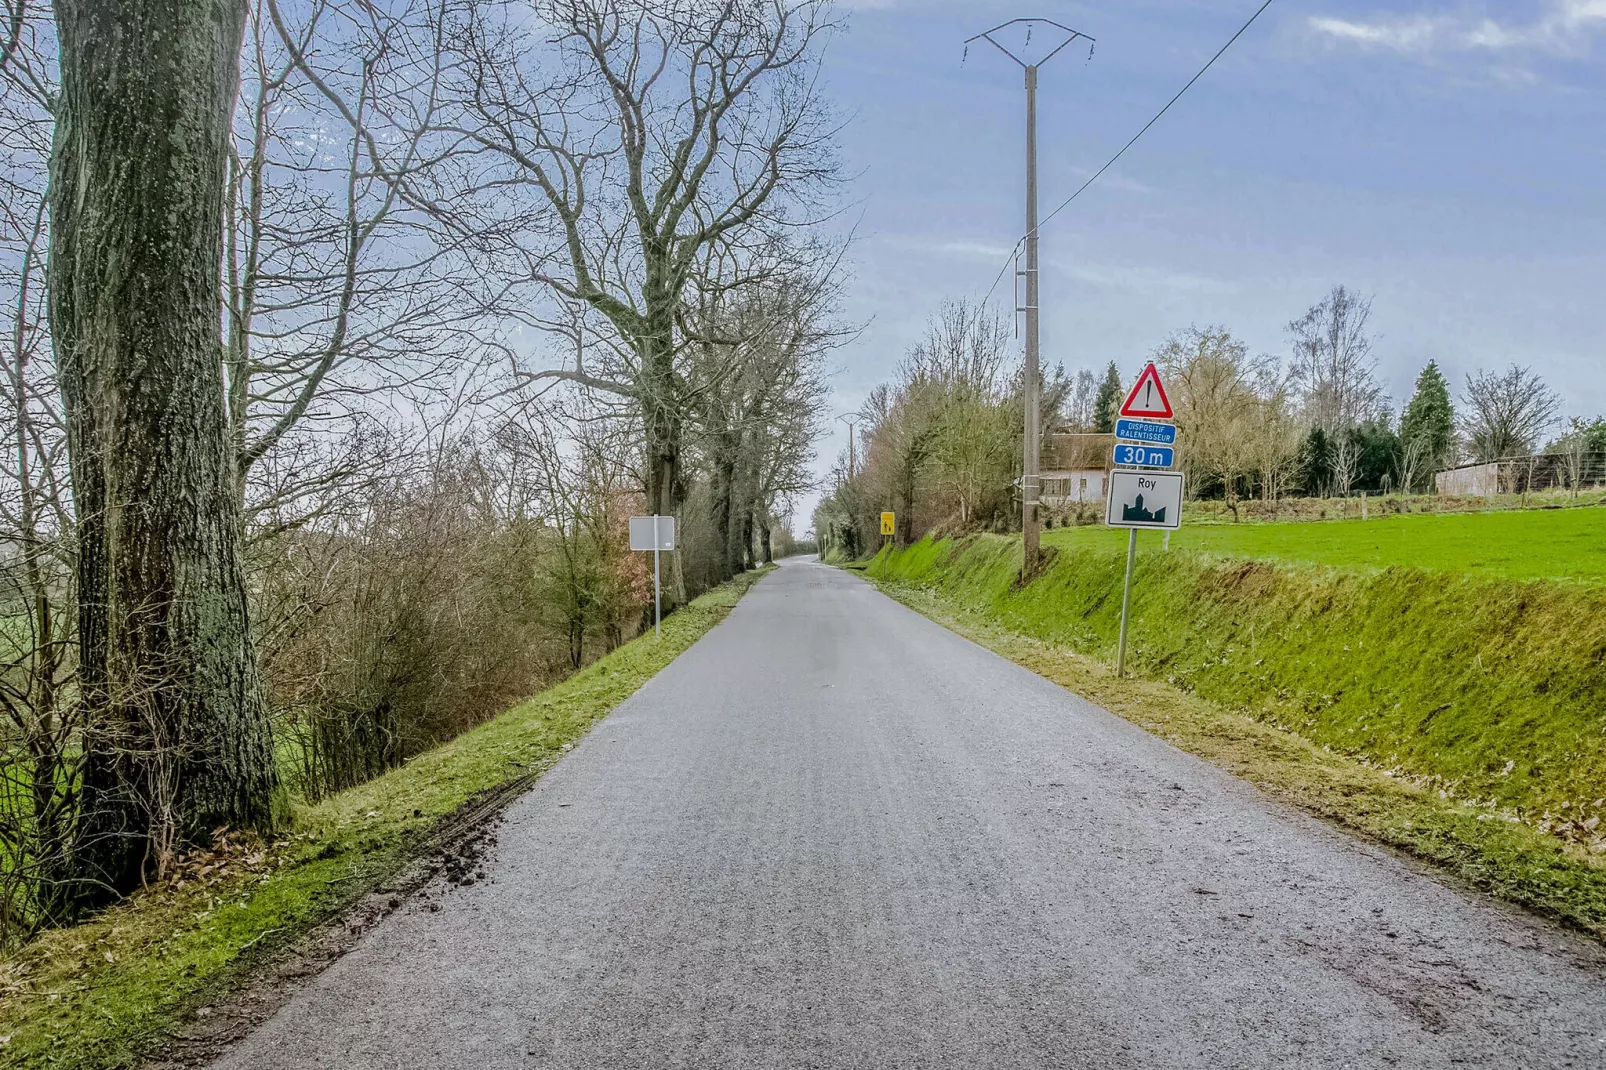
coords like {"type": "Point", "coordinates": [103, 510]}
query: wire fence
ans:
{"type": "Point", "coordinates": [1575, 471]}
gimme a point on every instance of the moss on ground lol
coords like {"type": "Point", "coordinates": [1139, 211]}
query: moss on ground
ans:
{"type": "Point", "coordinates": [101, 994]}
{"type": "Point", "coordinates": [1461, 719]}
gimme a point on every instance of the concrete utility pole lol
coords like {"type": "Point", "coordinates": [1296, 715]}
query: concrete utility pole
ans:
{"type": "Point", "coordinates": [1031, 482]}
{"type": "Point", "coordinates": [852, 420]}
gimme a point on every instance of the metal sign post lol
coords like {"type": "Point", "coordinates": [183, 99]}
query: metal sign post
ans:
{"type": "Point", "coordinates": [1126, 600]}
{"type": "Point", "coordinates": [1140, 499]}
{"type": "Point", "coordinates": [655, 533]}
{"type": "Point", "coordinates": [1144, 497]}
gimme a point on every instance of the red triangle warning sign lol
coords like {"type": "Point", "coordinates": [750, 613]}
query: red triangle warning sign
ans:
{"type": "Point", "coordinates": [1148, 399]}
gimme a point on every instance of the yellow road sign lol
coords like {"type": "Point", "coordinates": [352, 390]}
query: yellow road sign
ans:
{"type": "Point", "coordinates": [888, 527]}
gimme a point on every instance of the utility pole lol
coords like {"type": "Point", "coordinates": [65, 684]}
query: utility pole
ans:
{"type": "Point", "coordinates": [1031, 481]}
{"type": "Point", "coordinates": [852, 420]}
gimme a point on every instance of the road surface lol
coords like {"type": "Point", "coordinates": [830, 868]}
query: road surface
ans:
{"type": "Point", "coordinates": [834, 834]}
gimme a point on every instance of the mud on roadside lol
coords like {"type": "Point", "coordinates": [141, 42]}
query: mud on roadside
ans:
{"type": "Point", "coordinates": [453, 854]}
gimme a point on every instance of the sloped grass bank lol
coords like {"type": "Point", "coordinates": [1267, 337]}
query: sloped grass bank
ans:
{"type": "Point", "coordinates": [103, 993]}
{"type": "Point", "coordinates": [1481, 701]}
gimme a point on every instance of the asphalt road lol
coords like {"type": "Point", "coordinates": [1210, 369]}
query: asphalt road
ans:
{"type": "Point", "coordinates": [834, 834]}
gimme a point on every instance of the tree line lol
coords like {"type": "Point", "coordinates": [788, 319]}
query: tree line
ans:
{"type": "Point", "coordinates": [941, 441]}
{"type": "Point", "coordinates": [342, 341]}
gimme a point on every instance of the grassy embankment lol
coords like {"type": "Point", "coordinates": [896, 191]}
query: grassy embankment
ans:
{"type": "Point", "coordinates": [101, 993]}
{"type": "Point", "coordinates": [1457, 715]}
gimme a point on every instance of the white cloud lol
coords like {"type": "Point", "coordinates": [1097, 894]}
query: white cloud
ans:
{"type": "Point", "coordinates": [1401, 35]}
{"type": "Point", "coordinates": [958, 249]}
{"type": "Point", "coordinates": [1140, 278]}
{"type": "Point", "coordinates": [1563, 28]}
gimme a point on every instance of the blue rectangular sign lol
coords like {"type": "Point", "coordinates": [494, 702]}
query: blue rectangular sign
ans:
{"type": "Point", "coordinates": [1146, 431]}
{"type": "Point", "coordinates": [1132, 456]}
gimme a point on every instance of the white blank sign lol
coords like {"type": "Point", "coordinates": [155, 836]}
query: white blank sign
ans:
{"type": "Point", "coordinates": [1144, 500]}
{"type": "Point", "coordinates": [652, 533]}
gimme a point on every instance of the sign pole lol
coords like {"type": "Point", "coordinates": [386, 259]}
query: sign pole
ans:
{"type": "Point", "coordinates": [1140, 495]}
{"type": "Point", "coordinates": [1126, 601]}
{"type": "Point", "coordinates": [657, 596]}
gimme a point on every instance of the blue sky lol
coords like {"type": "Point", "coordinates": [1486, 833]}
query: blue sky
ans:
{"type": "Point", "coordinates": [1447, 158]}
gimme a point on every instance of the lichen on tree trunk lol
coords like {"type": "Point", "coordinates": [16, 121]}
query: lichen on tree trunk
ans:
{"type": "Point", "coordinates": [179, 741]}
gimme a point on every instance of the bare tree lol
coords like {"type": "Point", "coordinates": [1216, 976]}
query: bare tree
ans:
{"type": "Point", "coordinates": [343, 288]}
{"type": "Point", "coordinates": [40, 758]}
{"type": "Point", "coordinates": [1213, 390]}
{"type": "Point", "coordinates": [1506, 414]}
{"type": "Point", "coordinates": [1416, 456]}
{"type": "Point", "coordinates": [1578, 459]}
{"type": "Point", "coordinates": [40, 724]}
{"type": "Point", "coordinates": [588, 582]}
{"type": "Point", "coordinates": [672, 129]}
{"type": "Point", "coordinates": [1274, 434]}
{"type": "Point", "coordinates": [756, 386]}
{"type": "Point", "coordinates": [1081, 405]}
{"type": "Point", "coordinates": [167, 674]}
{"type": "Point", "coordinates": [1332, 362]}
{"type": "Point", "coordinates": [904, 424]}
{"type": "Point", "coordinates": [1344, 455]}
{"type": "Point", "coordinates": [964, 354]}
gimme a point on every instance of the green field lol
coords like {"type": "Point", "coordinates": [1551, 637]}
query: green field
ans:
{"type": "Point", "coordinates": [1539, 544]}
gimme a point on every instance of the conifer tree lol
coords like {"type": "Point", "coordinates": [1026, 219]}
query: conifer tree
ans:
{"type": "Point", "coordinates": [1107, 405]}
{"type": "Point", "coordinates": [1428, 424]}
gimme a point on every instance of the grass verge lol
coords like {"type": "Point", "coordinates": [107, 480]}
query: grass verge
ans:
{"type": "Point", "coordinates": [1505, 850]}
{"type": "Point", "coordinates": [103, 993]}
{"type": "Point", "coordinates": [1493, 689]}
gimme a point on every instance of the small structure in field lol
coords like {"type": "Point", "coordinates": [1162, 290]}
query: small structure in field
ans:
{"type": "Point", "coordinates": [1075, 468]}
{"type": "Point", "coordinates": [1470, 480]}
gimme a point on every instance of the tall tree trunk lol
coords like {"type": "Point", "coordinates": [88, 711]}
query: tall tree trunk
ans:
{"type": "Point", "coordinates": [737, 532]}
{"type": "Point", "coordinates": [179, 741]}
{"type": "Point", "coordinates": [724, 479]}
{"type": "Point", "coordinates": [769, 546]}
{"type": "Point", "coordinates": [661, 409]}
{"type": "Point", "coordinates": [747, 532]}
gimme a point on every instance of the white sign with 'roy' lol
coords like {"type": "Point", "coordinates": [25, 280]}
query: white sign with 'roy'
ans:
{"type": "Point", "coordinates": [1144, 500]}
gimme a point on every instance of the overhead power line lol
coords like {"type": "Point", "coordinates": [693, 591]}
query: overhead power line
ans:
{"type": "Point", "coordinates": [1111, 162]}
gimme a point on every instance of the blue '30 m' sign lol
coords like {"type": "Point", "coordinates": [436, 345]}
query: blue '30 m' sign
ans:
{"type": "Point", "coordinates": [1130, 456]}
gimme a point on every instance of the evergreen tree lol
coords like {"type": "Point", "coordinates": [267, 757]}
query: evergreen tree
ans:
{"type": "Point", "coordinates": [1593, 434]}
{"type": "Point", "coordinates": [1377, 449]}
{"type": "Point", "coordinates": [1107, 406]}
{"type": "Point", "coordinates": [1430, 420]}
{"type": "Point", "coordinates": [1315, 464]}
